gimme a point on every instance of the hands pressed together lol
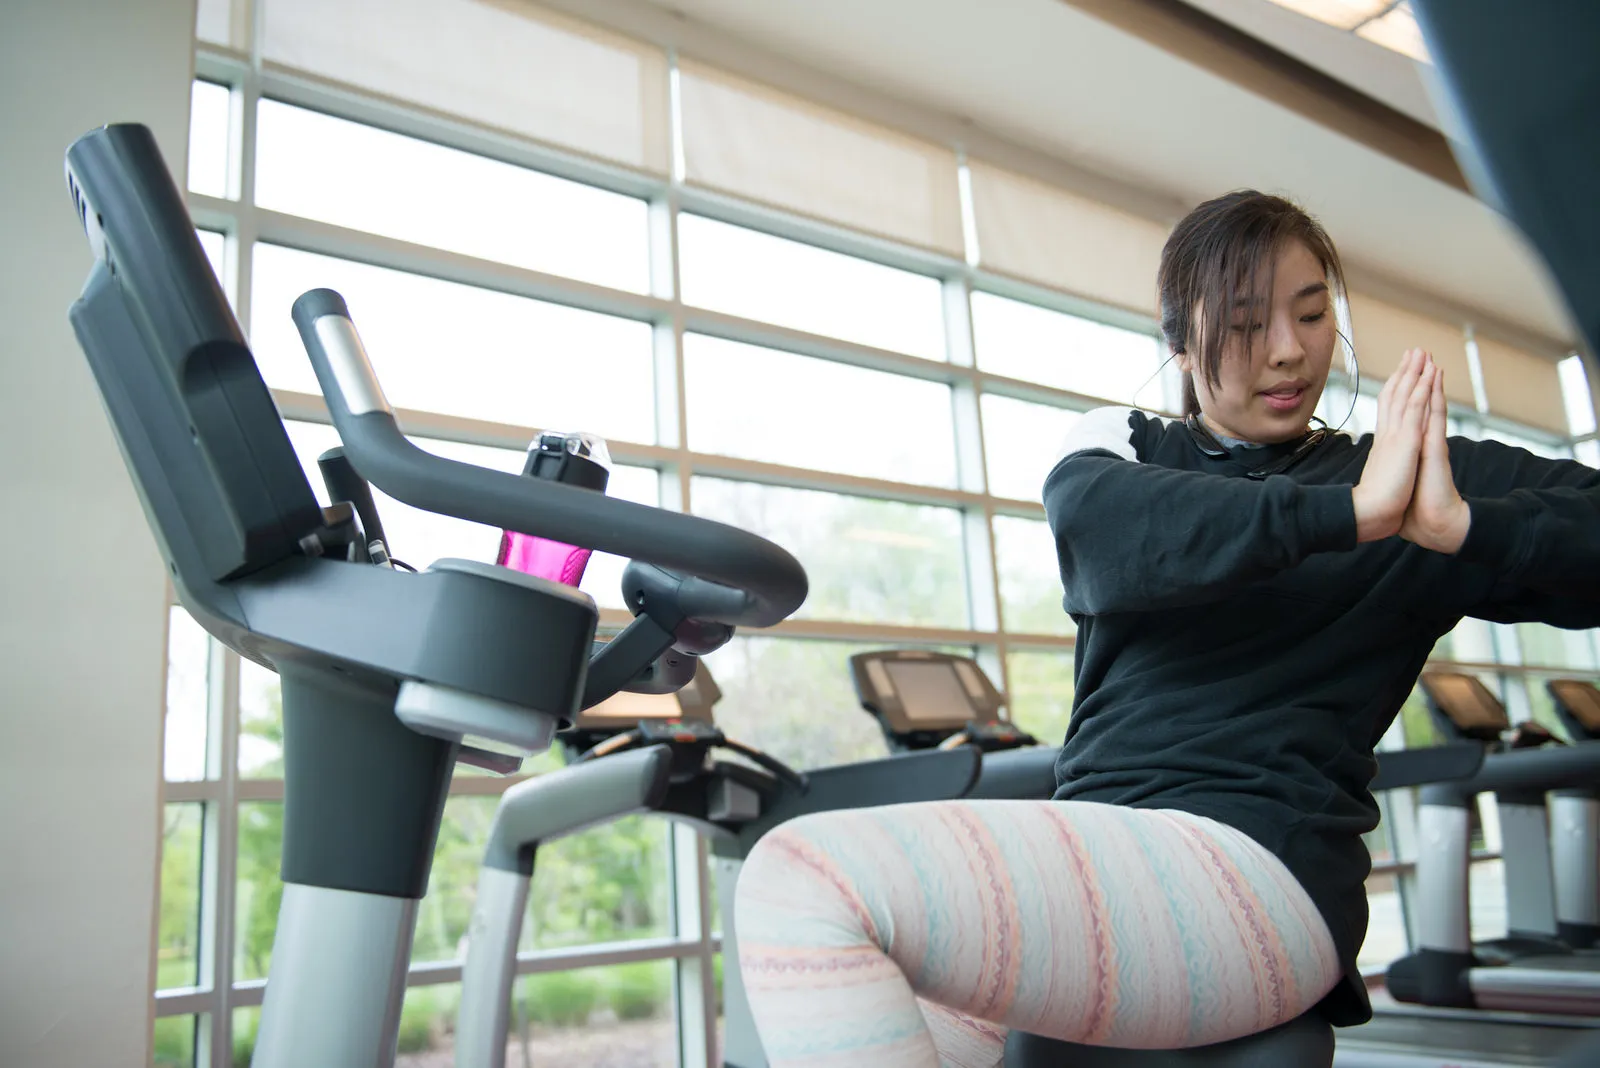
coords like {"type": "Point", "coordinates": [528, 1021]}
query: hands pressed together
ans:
{"type": "Point", "coordinates": [1406, 487]}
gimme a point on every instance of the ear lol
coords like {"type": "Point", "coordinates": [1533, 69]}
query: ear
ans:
{"type": "Point", "coordinates": [1184, 361]}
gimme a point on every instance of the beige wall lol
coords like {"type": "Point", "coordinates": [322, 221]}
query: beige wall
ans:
{"type": "Point", "coordinates": [81, 586]}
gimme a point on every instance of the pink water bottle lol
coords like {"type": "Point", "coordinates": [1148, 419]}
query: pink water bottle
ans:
{"type": "Point", "coordinates": [578, 460]}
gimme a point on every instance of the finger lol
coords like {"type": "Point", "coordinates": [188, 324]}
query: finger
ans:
{"type": "Point", "coordinates": [1406, 378]}
{"type": "Point", "coordinates": [1438, 415]}
{"type": "Point", "coordinates": [1394, 390]}
{"type": "Point", "coordinates": [1415, 412]}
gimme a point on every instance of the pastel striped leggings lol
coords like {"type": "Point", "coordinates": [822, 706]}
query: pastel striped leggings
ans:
{"type": "Point", "coordinates": [914, 935]}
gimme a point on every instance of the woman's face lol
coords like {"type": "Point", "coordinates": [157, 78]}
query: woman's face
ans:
{"type": "Point", "coordinates": [1275, 355]}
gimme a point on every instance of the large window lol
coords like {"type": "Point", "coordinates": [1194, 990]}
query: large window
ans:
{"type": "Point", "coordinates": [1068, 352]}
{"type": "Point", "coordinates": [757, 276]}
{"type": "Point", "coordinates": [355, 176]}
{"type": "Point", "coordinates": [887, 413]}
{"type": "Point", "coordinates": [461, 350]}
{"type": "Point", "coordinates": [802, 411]}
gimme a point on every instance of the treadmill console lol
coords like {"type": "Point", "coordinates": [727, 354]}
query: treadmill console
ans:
{"type": "Point", "coordinates": [924, 699]}
{"type": "Point", "coordinates": [1463, 707]}
{"type": "Point", "coordinates": [687, 710]}
{"type": "Point", "coordinates": [1578, 705]}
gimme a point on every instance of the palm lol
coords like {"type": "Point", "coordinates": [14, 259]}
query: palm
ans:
{"type": "Point", "coordinates": [1437, 517]}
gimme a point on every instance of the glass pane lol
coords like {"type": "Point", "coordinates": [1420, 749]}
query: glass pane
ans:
{"type": "Point", "coordinates": [757, 276]}
{"type": "Point", "coordinates": [216, 249]}
{"type": "Point", "coordinates": [246, 1025]}
{"type": "Point", "coordinates": [188, 663]}
{"type": "Point", "coordinates": [1025, 341]}
{"type": "Point", "coordinates": [178, 946]}
{"type": "Point", "coordinates": [260, 722]}
{"type": "Point", "coordinates": [445, 914]}
{"type": "Point", "coordinates": [1416, 722]}
{"type": "Point", "coordinates": [1487, 887]}
{"type": "Point", "coordinates": [419, 538]}
{"type": "Point", "coordinates": [174, 1041]}
{"type": "Point", "coordinates": [455, 349]}
{"type": "Point", "coordinates": [363, 178]}
{"type": "Point", "coordinates": [1030, 579]}
{"type": "Point", "coordinates": [1021, 442]}
{"type": "Point", "coordinates": [1386, 928]}
{"type": "Point", "coordinates": [716, 1048]}
{"type": "Point", "coordinates": [1470, 641]}
{"type": "Point", "coordinates": [869, 561]}
{"type": "Point", "coordinates": [831, 417]}
{"type": "Point", "coordinates": [1589, 452]}
{"type": "Point", "coordinates": [1355, 419]}
{"type": "Point", "coordinates": [209, 105]}
{"type": "Point", "coordinates": [1041, 685]}
{"type": "Point", "coordinates": [1546, 646]}
{"type": "Point", "coordinates": [259, 888]}
{"type": "Point", "coordinates": [1537, 446]}
{"type": "Point", "coordinates": [1541, 704]}
{"type": "Point", "coordinates": [607, 884]}
{"type": "Point", "coordinates": [621, 1015]}
{"type": "Point", "coordinates": [1575, 393]}
{"type": "Point", "coordinates": [794, 699]}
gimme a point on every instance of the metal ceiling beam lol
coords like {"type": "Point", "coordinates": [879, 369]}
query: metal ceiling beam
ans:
{"type": "Point", "coordinates": [1257, 67]}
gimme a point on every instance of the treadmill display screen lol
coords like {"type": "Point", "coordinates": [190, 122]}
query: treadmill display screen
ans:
{"type": "Point", "coordinates": [1467, 702]}
{"type": "Point", "coordinates": [930, 692]}
{"type": "Point", "coordinates": [633, 707]}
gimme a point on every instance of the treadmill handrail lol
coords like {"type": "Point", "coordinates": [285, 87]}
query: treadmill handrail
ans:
{"type": "Point", "coordinates": [1419, 767]}
{"type": "Point", "coordinates": [1523, 769]}
{"type": "Point", "coordinates": [769, 583]}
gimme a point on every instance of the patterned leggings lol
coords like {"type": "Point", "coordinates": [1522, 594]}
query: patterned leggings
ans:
{"type": "Point", "coordinates": [915, 935]}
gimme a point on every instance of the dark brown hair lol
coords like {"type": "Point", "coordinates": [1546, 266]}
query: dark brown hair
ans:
{"type": "Point", "coordinates": [1214, 258]}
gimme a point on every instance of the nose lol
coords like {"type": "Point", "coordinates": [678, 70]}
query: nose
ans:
{"type": "Point", "coordinates": [1284, 347]}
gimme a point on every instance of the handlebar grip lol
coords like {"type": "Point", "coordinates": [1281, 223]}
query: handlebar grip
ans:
{"type": "Point", "coordinates": [770, 580]}
{"type": "Point", "coordinates": [672, 598]}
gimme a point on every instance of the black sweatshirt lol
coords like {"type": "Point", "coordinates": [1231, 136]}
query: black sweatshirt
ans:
{"type": "Point", "coordinates": [1239, 655]}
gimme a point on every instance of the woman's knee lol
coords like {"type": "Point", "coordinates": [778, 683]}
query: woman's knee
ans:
{"type": "Point", "coordinates": [796, 887]}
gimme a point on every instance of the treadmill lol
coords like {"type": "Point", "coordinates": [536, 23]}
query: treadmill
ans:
{"type": "Point", "coordinates": [1532, 970]}
{"type": "Point", "coordinates": [1577, 703]}
{"type": "Point", "coordinates": [928, 700]}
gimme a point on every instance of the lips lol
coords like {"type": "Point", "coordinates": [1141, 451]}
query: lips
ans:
{"type": "Point", "coordinates": [1284, 398]}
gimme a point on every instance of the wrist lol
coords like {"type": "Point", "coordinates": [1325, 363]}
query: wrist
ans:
{"type": "Point", "coordinates": [1453, 532]}
{"type": "Point", "coordinates": [1372, 523]}
{"type": "Point", "coordinates": [1444, 532]}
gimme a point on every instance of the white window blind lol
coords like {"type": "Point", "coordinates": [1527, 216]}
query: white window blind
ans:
{"type": "Point", "coordinates": [505, 65]}
{"type": "Point", "coordinates": [213, 21]}
{"type": "Point", "coordinates": [764, 145]}
{"type": "Point", "coordinates": [1383, 332]}
{"type": "Point", "coordinates": [1034, 231]}
{"type": "Point", "coordinates": [1521, 385]}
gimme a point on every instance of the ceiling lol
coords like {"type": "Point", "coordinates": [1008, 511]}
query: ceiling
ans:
{"type": "Point", "coordinates": [1055, 80]}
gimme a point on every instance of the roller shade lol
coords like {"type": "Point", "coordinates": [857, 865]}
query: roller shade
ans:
{"type": "Point", "coordinates": [763, 145]}
{"type": "Point", "coordinates": [213, 22]}
{"type": "Point", "coordinates": [1034, 231]}
{"type": "Point", "coordinates": [1521, 385]}
{"type": "Point", "coordinates": [1382, 333]}
{"type": "Point", "coordinates": [504, 65]}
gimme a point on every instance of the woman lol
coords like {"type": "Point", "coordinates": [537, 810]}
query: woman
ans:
{"type": "Point", "coordinates": [1254, 601]}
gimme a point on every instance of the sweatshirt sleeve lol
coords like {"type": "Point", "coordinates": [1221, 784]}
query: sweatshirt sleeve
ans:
{"type": "Point", "coordinates": [1536, 526]}
{"type": "Point", "coordinates": [1132, 536]}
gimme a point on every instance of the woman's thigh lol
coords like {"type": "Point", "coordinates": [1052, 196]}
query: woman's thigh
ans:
{"type": "Point", "coordinates": [1115, 926]}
